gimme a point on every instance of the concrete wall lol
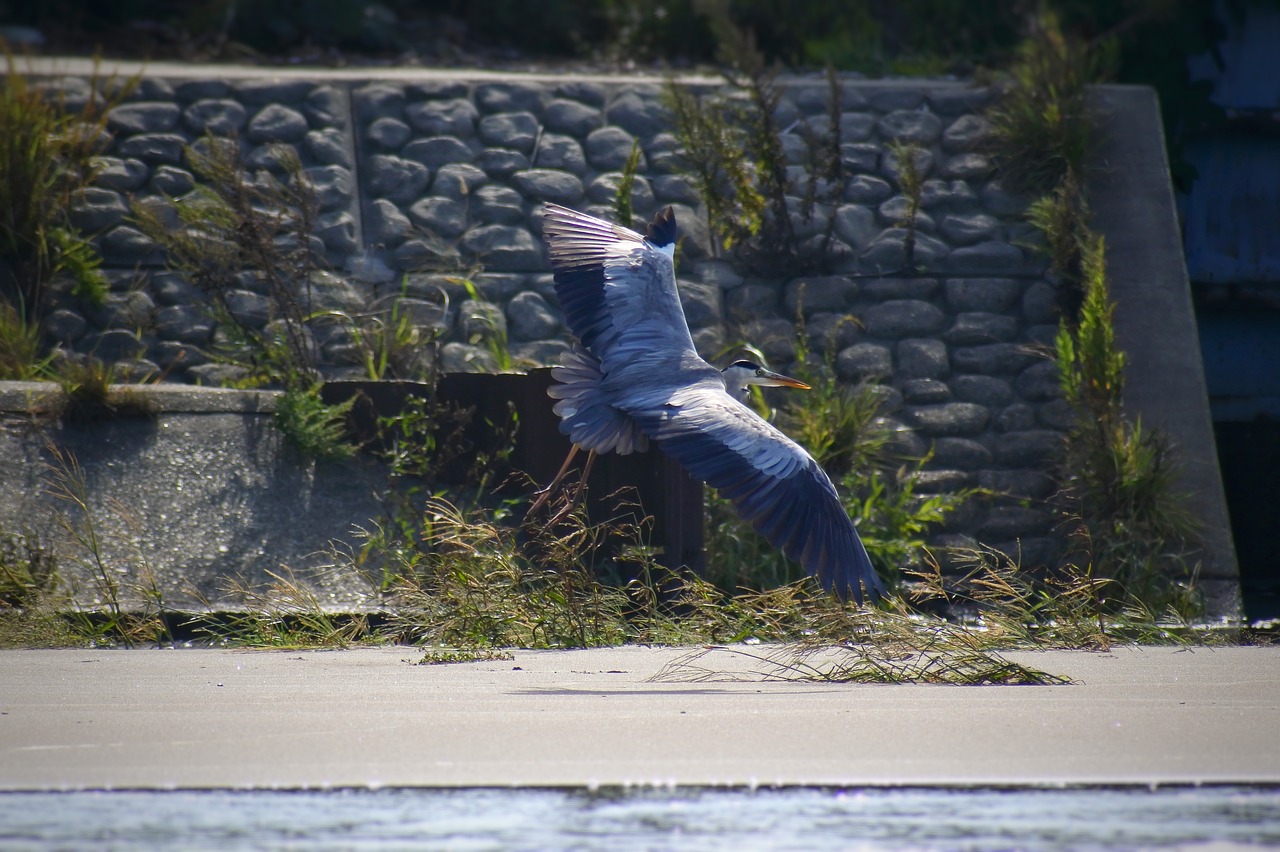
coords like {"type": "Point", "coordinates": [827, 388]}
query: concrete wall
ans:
{"type": "Point", "coordinates": [419, 168]}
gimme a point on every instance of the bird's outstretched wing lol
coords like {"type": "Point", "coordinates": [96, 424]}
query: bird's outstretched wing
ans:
{"type": "Point", "coordinates": [774, 484]}
{"type": "Point", "coordinates": [617, 289]}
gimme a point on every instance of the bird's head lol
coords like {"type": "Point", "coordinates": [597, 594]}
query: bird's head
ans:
{"type": "Point", "coordinates": [742, 374]}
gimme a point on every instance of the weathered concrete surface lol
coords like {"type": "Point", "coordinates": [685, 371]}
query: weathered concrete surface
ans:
{"type": "Point", "coordinates": [204, 493]}
{"type": "Point", "coordinates": [1155, 321]}
{"type": "Point", "coordinates": [213, 718]}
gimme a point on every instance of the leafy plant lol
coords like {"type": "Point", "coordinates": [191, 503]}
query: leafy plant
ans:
{"type": "Point", "coordinates": [1041, 126]}
{"type": "Point", "coordinates": [315, 429]}
{"type": "Point", "coordinates": [261, 225]}
{"type": "Point", "coordinates": [47, 154]}
{"type": "Point", "coordinates": [21, 352]}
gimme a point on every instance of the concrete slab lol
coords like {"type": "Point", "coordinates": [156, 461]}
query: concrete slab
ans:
{"type": "Point", "coordinates": [217, 718]}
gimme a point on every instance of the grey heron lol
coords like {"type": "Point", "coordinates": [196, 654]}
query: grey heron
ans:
{"type": "Point", "coordinates": [636, 378]}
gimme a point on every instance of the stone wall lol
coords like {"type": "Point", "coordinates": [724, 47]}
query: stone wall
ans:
{"type": "Point", "coordinates": [418, 172]}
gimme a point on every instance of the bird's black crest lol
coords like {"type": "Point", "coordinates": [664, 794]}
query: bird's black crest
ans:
{"type": "Point", "coordinates": [662, 230]}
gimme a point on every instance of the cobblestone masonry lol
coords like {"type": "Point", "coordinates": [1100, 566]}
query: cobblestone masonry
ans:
{"type": "Point", "coordinates": [404, 168]}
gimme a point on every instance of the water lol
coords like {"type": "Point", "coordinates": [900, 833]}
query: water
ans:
{"type": "Point", "coordinates": [696, 819]}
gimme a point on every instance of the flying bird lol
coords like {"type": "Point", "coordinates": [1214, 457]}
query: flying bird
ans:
{"type": "Point", "coordinates": [635, 378]}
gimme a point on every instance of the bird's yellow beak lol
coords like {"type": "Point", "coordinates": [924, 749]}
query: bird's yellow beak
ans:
{"type": "Point", "coordinates": [770, 379]}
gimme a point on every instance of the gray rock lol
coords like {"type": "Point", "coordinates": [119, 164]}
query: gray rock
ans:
{"type": "Point", "coordinates": [967, 133]}
{"type": "Point", "coordinates": [608, 148]}
{"type": "Point", "coordinates": [831, 332]}
{"type": "Point", "coordinates": [990, 295]}
{"type": "Point", "coordinates": [152, 147]}
{"type": "Point", "coordinates": [332, 292]}
{"type": "Point", "coordinates": [896, 213]}
{"type": "Point", "coordinates": [219, 116]}
{"type": "Point", "coordinates": [925, 391]}
{"type": "Point", "coordinates": [1039, 382]}
{"type": "Point", "coordinates": [515, 130]}
{"type": "Point", "coordinates": [249, 309]}
{"type": "Point", "coordinates": [992, 358]}
{"type": "Point", "coordinates": [272, 90]}
{"type": "Point", "coordinates": [431, 90]}
{"type": "Point", "coordinates": [498, 205]}
{"type": "Point", "coordinates": [891, 168]}
{"type": "Point", "coordinates": [1040, 304]}
{"type": "Point", "coordinates": [1014, 418]}
{"type": "Point", "coordinates": [94, 209]}
{"type": "Point", "coordinates": [819, 293]}
{"type": "Point", "coordinates": [923, 358]}
{"type": "Point", "coordinates": [114, 345]}
{"type": "Point", "coordinates": [443, 217]}
{"type": "Point", "coordinates": [972, 328]}
{"type": "Point", "coordinates": [941, 482]}
{"type": "Point", "coordinates": [549, 185]}
{"type": "Point", "coordinates": [911, 126]}
{"type": "Point", "coordinates": [456, 117]}
{"type": "Point", "coordinates": [1038, 448]}
{"type": "Point", "coordinates": [199, 90]}
{"type": "Point", "coordinates": [465, 358]}
{"type": "Point", "coordinates": [776, 338]}
{"type": "Point", "coordinates": [481, 321]}
{"type": "Point", "coordinates": [1014, 522]}
{"type": "Point", "coordinates": [1057, 414]}
{"type": "Point", "coordinates": [503, 248]}
{"type": "Point", "coordinates": [961, 453]}
{"type": "Point", "coordinates": [855, 225]}
{"type": "Point", "coordinates": [170, 288]}
{"type": "Point", "coordinates": [539, 353]}
{"type": "Point", "coordinates": [974, 167]}
{"type": "Point", "coordinates": [1002, 202]}
{"type": "Point", "coordinates": [125, 245]}
{"type": "Point", "coordinates": [859, 159]}
{"type": "Point", "coordinates": [864, 362]}
{"type": "Point", "coordinates": [572, 117]}
{"type": "Point", "coordinates": [703, 303]}
{"type": "Point", "coordinates": [151, 117]}
{"type": "Point", "coordinates": [1021, 484]}
{"type": "Point", "coordinates": [604, 189]}
{"type": "Point", "coordinates": [217, 375]}
{"type": "Point", "coordinates": [327, 147]}
{"type": "Point", "coordinates": [894, 98]}
{"type": "Point", "coordinates": [121, 175]}
{"type": "Point", "coordinates": [458, 180]}
{"type": "Point", "coordinates": [384, 224]}
{"type": "Point", "coordinates": [639, 114]}
{"type": "Point", "coordinates": [174, 357]}
{"type": "Point", "coordinates": [949, 194]}
{"type": "Point", "coordinates": [579, 89]}
{"type": "Point", "coordinates": [985, 258]}
{"type": "Point", "coordinates": [369, 268]}
{"type": "Point", "coordinates": [184, 324]}
{"type": "Point", "coordinates": [903, 318]}
{"type": "Point", "coordinates": [676, 188]}
{"type": "Point", "coordinates": [947, 419]}
{"type": "Point", "coordinates": [172, 181]}
{"type": "Point", "coordinates": [884, 289]}
{"type": "Point", "coordinates": [63, 325]}
{"type": "Point", "coordinates": [529, 317]}
{"type": "Point", "coordinates": [751, 300]}
{"type": "Point", "coordinates": [389, 134]}
{"type": "Point", "coordinates": [325, 106]}
{"type": "Point", "coordinates": [333, 186]}
{"type": "Point", "coordinates": [277, 123]}
{"type": "Point", "coordinates": [437, 151]}
{"type": "Point", "coordinates": [966, 229]}
{"type": "Point", "coordinates": [499, 287]}
{"type": "Point", "coordinates": [556, 151]}
{"type": "Point", "coordinates": [500, 163]}
{"type": "Point", "coordinates": [337, 229]}
{"type": "Point", "coordinates": [396, 178]}
{"type": "Point", "coordinates": [718, 272]}
{"type": "Point", "coordinates": [509, 97]}
{"type": "Point", "coordinates": [984, 390]}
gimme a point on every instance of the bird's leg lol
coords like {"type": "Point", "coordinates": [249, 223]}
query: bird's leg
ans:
{"type": "Point", "coordinates": [577, 492]}
{"type": "Point", "coordinates": [545, 493]}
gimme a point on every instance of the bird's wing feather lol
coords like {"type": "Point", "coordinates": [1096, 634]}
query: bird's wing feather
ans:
{"type": "Point", "coordinates": [615, 288]}
{"type": "Point", "coordinates": [774, 484]}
